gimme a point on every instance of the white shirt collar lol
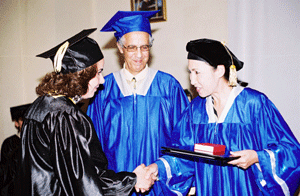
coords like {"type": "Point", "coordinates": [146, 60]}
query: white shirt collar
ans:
{"type": "Point", "coordinates": [140, 76]}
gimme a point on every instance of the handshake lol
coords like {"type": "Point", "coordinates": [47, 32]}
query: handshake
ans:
{"type": "Point", "coordinates": [146, 176]}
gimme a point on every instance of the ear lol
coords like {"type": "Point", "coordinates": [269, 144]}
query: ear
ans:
{"type": "Point", "coordinates": [220, 71]}
{"type": "Point", "coordinates": [120, 48]}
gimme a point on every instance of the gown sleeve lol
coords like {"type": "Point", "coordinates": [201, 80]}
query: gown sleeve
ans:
{"type": "Point", "coordinates": [278, 170]}
{"type": "Point", "coordinates": [178, 172]}
{"type": "Point", "coordinates": [179, 101]}
{"type": "Point", "coordinates": [81, 163]}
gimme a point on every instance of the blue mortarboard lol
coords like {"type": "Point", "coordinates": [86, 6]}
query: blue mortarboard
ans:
{"type": "Point", "coordinates": [128, 21]}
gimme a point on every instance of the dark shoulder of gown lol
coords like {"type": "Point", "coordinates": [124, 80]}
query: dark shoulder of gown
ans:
{"type": "Point", "coordinates": [9, 164]}
{"type": "Point", "coordinates": [9, 146]}
{"type": "Point", "coordinates": [61, 154]}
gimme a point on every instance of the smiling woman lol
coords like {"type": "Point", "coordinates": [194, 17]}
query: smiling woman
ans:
{"type": "Point", "coordinates": [242, 119]}
{"type": "Point", "coordinates": [61, 154]}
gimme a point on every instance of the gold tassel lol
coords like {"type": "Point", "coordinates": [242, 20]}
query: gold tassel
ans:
{"type": "Point", "coordinates": [232, 76]}
{"type": "Point", "coordinates": [59, 56]}
{"type": "Point", "coordinates": [232, 69]}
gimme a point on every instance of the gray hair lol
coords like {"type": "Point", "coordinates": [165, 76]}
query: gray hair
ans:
{"type": "Point", "coordinates": [122, 40]}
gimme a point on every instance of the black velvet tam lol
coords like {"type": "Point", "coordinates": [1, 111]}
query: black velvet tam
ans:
{"type": "Point", "coordinates": [213, 52]}
{"type": "Point", "coordinates": [81, 53]}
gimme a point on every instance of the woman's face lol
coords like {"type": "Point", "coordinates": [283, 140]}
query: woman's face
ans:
{"type": "Point", "coordinates": [203, 77]}
{"type": "Point", "coordinates": [96, 81]}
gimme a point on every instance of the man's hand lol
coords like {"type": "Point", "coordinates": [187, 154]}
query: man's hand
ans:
{"type": "Point", "coordinates": [247, 158]}
{"type": "Point", "coordinates": [152, 172]}
{"type": "Point", "coordinates": [143, 184]}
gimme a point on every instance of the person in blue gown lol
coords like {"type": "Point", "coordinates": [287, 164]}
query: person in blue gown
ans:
{"type": "Point", "coordinates": [135, 112]}
{"type": "Point", "coordinates": [242, 119]}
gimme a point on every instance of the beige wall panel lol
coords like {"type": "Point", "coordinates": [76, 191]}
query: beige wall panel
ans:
{"type": "Point", "coordinates": [33, 26]}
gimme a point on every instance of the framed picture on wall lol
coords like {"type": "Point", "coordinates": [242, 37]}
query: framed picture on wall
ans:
{"type": "Point", "coordinates": [151, 5]}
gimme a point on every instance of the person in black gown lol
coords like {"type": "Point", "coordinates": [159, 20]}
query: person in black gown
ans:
{"type": "Point", "coordinates": [61, 153]}
{"type": "Point", "coordinates": [9, 153]}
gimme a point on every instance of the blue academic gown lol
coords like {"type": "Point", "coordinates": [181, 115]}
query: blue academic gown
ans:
{"type": "Point", "coordinates": [249, 121]}
{"type": "Point", "coordinates": [133, 127]}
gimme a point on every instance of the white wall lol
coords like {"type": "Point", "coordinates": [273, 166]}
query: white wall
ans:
{"type": "Point", "coordinates": [33, 26]}
{"type": "Point", "coordinates": [265, 35]}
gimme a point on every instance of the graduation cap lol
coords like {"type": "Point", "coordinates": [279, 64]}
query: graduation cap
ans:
{"type": "Point", "coordinates": [128, 21]}
{"type": "Point", "coordinates": [17, 112]}
{"type": "Point", "coordinates": [74, 54]}
{"type": "Point", "coordinates": [215, 53]}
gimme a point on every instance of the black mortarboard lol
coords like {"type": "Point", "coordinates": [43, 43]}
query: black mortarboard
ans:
{"type": "Point", "coordinates": [18, 111]}
{"type": "Point", "coordinates": [213, 52]}
{"type": "Point", "coordinates": [74, 54]}
{"type": "Point", "coordinates": [129, 21]}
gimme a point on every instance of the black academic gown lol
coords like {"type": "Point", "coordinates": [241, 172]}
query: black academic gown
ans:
{"type": "Point", "coordinates": [9, 163]}
{"type": "Point", "coordinates": [61, 153]}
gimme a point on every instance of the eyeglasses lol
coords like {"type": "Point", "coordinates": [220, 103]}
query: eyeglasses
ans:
{"type": "Point", "coordinates": [133, 48]}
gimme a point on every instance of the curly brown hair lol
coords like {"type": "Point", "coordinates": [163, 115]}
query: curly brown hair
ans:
{"type": "Point", "coordinates": [70, 85]}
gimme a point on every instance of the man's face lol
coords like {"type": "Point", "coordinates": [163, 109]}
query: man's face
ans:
{"type": "Point", "coordinates": [135, 61]}
{"type": "Point", "coordinates": [18, 124]}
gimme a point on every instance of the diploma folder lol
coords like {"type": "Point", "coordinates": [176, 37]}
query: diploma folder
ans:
{"type": "Point", "coordinates": [177, 151]}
